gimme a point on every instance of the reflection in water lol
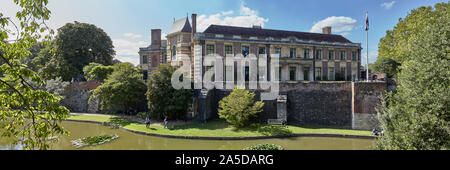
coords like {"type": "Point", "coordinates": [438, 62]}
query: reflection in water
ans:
{"type": "Point", "coordinates": [132, 141]}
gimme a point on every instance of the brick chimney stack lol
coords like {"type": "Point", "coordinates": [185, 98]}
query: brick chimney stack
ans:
{"type": "Point", "coordinates": [194, 23]}
{"type": "Point", "coordinates": [156, 38]}
{"type": "Point", "coordinates": [326, 30]}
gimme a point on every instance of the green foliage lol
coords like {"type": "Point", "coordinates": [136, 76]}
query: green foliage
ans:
{"type": "Point", "coordinates": [163, 99]}
{"type": "Point", "coordinates": [123, 91]}
{"type": "Point", "coordinates": [239, 107]}
{"type": "Point", "coordinates": [143, 115]}
{"type": "Point", "coordinates": [75, 46]}
{"type": "Point", "coordinates": [264, 147]}
{"type": "Point", "coordinates": [29, 114]}
{"type": "Point", "coordinates": [417, 115]}
{"type": "Point", "coordinates": [96, 71]}
{"type": "Point", "coordinates": [396, 45]}
{"type": "Point", "coordinates": [385, 65]}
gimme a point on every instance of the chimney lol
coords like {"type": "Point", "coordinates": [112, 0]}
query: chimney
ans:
{"type": "Point", "coordinates": [156, 38]}
{"type": "Point", "coordinates": [194, 24]}
{"type": "Point", "coordinates": [326, 30]}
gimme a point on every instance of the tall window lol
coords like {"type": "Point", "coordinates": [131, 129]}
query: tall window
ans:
{"type": "Point", "coordinates": [306, 73]}
{"type": "Point", "coordinates": [228, 50]}
{"type": "Point", "coordinates": [343, 73]}
{"type": "Point", "coordinates": [319, 54]}
{"type": "Point", "coordinates": [330, 73]}
{"type": "Point", "coordinates": [262, 50]}
{"type": "Point", "coordinates": [318, 73]}
{"type": "Point", "coordinates": [144, 59]}
{"type": "Point", "coordinates": [354, 55]}
{"type": "Point", "coordinates": [155, 61]}
{"type": "Point", "coordinates": [261, 74]}
{"type": "Point", "coordinates": [247, 73]}
{"type": "Point", "coordinates": [331, 55]}
{"type": "Point", "coordinates": [279, 73]}
{"type": "Point", "coordinates": [306, 54]}
{"type": "Point", "coordinates": [245, 51]}
{"type": "Point", "coordinates": [228, 73]}
{"type": "Point", "coordinates": [292, 71]}
{"type": "Point", "coordinates": [174, 53]}
{"type": "Point", "coordinates": [210, 68]}
{"type": "Point", "coordinates": [292, 52]}
{"type": "Point", "coordinates": [209, 49]}
{"type": "Point", "coordinates": [343, 55]}
{"type": "Point", "coordinates": [165, 58]}
{"type": "Point", "coordinates": [278, 51]}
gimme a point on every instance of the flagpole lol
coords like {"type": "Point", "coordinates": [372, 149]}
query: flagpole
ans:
{"type": "Point", "coordinates": [367, 57]}
{"type": "Point", "coordinates": [367, 49]}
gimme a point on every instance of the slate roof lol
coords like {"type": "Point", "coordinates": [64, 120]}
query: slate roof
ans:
{"type": "Point", "coordinates": [181, 25]}
{"type": "Point", "coordinates": [258, 32]}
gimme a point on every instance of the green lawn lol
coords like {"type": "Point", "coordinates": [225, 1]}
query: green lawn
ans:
{"type": "Point", "coordinates": [218, 128]}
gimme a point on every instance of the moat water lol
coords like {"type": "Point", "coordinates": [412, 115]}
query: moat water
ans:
{"type": "Point", "coordinates": [131, 141]}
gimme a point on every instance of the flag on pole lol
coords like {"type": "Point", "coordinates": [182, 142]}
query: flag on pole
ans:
{"type": "Point", "coordinates": [367, 21]}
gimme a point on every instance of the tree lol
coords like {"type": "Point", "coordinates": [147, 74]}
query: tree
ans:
{"type": "Point", "coordinates": [75, 46]}
{"type": "Point", "coordinates": [123, 91]}
{"type": "Point", "coordinates": [239, 107]}
{"type": "Point", "coordinates": [82, 43]}
{"type": "Point", "coordinates": [163, 99]}
{"type": "Point", "coordinates": [416, 115]}
{"type": "Point", "coordinates": [385, 65]}
{"type": "Point", "coordinates": [96, 71]}
{"type": "Point", "coordinates": [32, 115]}
{"type": "Point", "coordinates": [35, 50]}
{"type": "Point", "coordinates": [396, 45]}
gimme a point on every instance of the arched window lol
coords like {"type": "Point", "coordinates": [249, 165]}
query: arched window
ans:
{"type": "Point", "coordinates": [174, 53]}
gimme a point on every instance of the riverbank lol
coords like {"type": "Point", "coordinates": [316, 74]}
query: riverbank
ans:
{"type": "Point", "coordinates": [216, 128]}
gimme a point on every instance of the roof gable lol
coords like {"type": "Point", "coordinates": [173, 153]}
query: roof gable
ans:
{"type": "Point", "coordinates": [181, 25]}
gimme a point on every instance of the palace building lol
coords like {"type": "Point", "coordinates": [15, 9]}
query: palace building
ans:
{"type": "Point", "coordinates": [302, 56]}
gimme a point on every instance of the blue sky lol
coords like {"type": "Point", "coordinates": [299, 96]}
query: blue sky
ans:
{"type": "Point", "coordinates": [128, 22]}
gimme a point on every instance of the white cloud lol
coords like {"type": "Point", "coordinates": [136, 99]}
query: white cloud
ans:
{"type": "Point", "coordinates": [373, 55]}
{"type": "Point", "coordinates": [345, 34]}
{"type": "Point", "coordinates": [387, 5]}
{"type": "Point", "coordinates": [131, 59]}
{"type": "Point", "coordinates": [127, 48]}
{"type": "Point", "coordinates": [247, 18]}
{"type": "Point", "coordinates": [132, 35]}
{"type": "Point", "coordinates": [338, 24]}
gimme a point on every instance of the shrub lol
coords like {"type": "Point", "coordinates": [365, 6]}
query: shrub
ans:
{"type": "Point", "coordinates": [239, 107]}
{"type": "Point", "coordinates": [264, 147]}
{"type": "Point", "coordinates": [163, 99]}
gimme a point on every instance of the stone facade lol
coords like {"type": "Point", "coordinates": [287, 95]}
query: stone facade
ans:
{"type": "Point", "coordinates": [77, 97]}
{"type": "Point", "coordinates": [154, 55]}
{"type": "Point", "coordinates": [346, 105]}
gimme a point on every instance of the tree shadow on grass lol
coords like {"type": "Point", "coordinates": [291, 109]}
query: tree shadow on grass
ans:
{"type": "Point", "coordinates": [120, 121]}
{"type": "Point", "coordinates": [211, 125]}
{"type": "Point", "coordinates": [266, 130]}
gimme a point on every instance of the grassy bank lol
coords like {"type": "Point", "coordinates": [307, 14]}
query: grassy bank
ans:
{"type": "Point", "coordinates": [218, 128]}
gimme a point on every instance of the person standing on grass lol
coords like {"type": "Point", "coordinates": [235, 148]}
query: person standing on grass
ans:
{"type": "Point", "coordinates": [166, 122]}
{"type": "Point", "coordinates": [147, 122]}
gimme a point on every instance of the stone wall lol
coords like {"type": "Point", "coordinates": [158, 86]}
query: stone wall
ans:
{"type": "Point", "coordinates": [319, 104]}
{"type": "Point", "coordinates": [366, 97]}
{"type": "Point", "coordinates": [77, 95]}
{"type": "Point", "coordinates": [346, 104]}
